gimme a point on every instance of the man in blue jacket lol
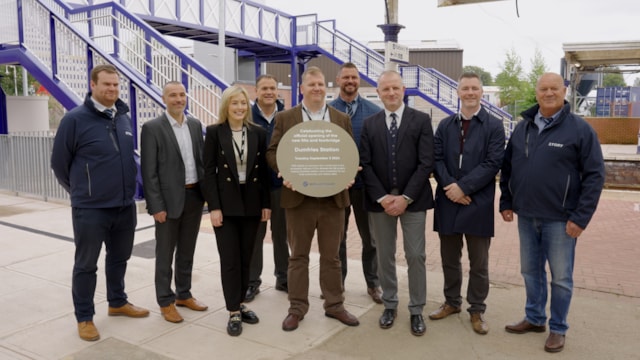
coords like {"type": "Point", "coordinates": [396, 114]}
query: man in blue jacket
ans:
{"type": "Point", "coordinates": [468, 152]}
{"type": "Point", "coordinates": [264, 112]}
{"type": "Point", "coordinates": [92, 159]}
{"type": "Point", "coordinates": [552, 177]}
{"type": "Point", "coordinates": [358, 108]}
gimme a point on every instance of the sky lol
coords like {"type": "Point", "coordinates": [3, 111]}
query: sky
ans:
{"type": "Point", "coordinates": [486, 31]}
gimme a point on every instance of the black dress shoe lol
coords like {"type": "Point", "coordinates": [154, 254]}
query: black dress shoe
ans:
{"type": "Point", "coordinates": [282, 287]}
{"type": "Point", "coordinates": [248, 316]}
{"type": "Point", "coordinates": [252, 291]}
{"type": "Point", "coordinates": [234, 326]}
{"type": "Point", "coordinates": [387, 318]}
{"type": "Point", "coordinates": [418, 327]}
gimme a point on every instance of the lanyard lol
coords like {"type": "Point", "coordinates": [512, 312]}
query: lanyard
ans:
{"type": "Point", "coordinates": [240, 149]}
{"type": "Point", "coordinates": [324, 113]}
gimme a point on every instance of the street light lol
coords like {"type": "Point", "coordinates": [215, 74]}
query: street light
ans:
{"type": "Point", "coordinates": [515, 108]}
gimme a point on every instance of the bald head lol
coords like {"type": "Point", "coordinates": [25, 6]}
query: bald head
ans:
{"type": "Point", "coordinates": [550, 93]}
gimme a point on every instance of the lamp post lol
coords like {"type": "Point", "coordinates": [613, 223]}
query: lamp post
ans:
{"type": "Point", "coordinates": [515, 108]}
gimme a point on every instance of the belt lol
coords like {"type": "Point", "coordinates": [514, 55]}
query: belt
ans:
{"type": "Point", "coordinates": [190, 186]}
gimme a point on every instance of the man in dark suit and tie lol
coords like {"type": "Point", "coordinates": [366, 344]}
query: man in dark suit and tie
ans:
{"type": "Point", "coordinates": [396, 154]}
{"type": "Point", "coordinates": [172, 173]}
{"type": "Point", "coordinates": [306, 214]}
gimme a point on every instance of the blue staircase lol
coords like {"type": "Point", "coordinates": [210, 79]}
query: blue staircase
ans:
{"type": "Point", "coordinates": [60, 44]}
{"type": "Point", "coordinates": [270, 35]}
{"type": "Point", "coordinates": [56, 40]}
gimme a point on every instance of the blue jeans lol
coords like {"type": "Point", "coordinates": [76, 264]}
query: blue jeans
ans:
{"type": "Point", "coordinates": [543, 241]}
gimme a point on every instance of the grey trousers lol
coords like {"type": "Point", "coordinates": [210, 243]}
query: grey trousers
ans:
{"type": "Point", "coordinates": [384, 229]}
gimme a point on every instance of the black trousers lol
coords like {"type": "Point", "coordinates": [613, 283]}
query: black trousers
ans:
{"type": "Point", "coordinates": [115, 227]}
{"type": "Point", "coordinates": [478, 287]}
{"type": "Point", "coordinates": [280, 245]}
{"type": "Point", "coordinates": [236, 239]}
{"type": "Point", "coordinates": [177, 236]}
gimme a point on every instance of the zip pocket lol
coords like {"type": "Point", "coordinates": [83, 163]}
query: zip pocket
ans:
{"type": "Point", "coordinates": [566, 190]}
{"type": "Point", "coordinates": [88, 178]}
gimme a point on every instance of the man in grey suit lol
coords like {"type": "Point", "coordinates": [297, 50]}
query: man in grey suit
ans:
{"type": "Point", "coordinates": [172, 174]}
{"type": "Point", "coordinates": [396, 154]}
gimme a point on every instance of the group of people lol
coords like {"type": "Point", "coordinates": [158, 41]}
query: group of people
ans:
{"type": "Point", "coordinates": [552, 173]}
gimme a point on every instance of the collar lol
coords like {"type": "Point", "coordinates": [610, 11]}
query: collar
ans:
{"type": "Point", "coordinates": [102, 108]}
{"type": "Point", "coordinates": [398, 112]}
{"type": "Point", "coordinates": [173, 121]}
{"type": "Point", "coordinates": [474, 114]}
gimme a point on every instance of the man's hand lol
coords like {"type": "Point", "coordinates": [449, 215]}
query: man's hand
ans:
{"type": "Point", "coordinates": [266, 214]}
{"type": "Point", "coordinates": [350, 184]}
{"type": "Point", "coordinates": [216, 218]}
{"type": "Point", "coordinates": [394, 205]}
{"type": "Point", "coordinates": [455, 194]}
{"type": "Point", "coordinates": [573, 229]}
{"type": "Point", "coordinates": [160, 216]}
{"type": "Point", "coordinates": [507, 215]}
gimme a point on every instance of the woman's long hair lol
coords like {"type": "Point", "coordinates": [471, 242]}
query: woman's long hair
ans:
{"type": "Point", "coordinates": [231, 91]}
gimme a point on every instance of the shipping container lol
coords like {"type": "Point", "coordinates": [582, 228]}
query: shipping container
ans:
{"type": "Point", "coordinates": [616, 101]}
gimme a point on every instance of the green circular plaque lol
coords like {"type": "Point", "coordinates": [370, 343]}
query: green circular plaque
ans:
{"type": "Point", "coordinates": [319, 158]}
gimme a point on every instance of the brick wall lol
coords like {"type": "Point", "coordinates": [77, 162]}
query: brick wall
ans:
{"type": "Point", "coordinates": [622, 174]}
{"type": "Point", "coordinates": [616, 130]}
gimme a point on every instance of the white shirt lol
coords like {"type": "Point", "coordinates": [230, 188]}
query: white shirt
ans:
{"type": "Point", "coordinates": [322, 114]}
{"type": "Point", "coordinates": [183, 136]}
{"type": "Point", "coordinates": [398, 113]}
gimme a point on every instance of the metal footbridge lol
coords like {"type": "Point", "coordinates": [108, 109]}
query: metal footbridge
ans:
{"type": "Point", "coordinates": [59, 42]}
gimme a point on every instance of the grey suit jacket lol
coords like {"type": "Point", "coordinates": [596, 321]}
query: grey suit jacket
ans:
{"type": "Point", "coordinates": [163, 172]}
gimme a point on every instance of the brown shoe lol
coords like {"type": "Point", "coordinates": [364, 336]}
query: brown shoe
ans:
{"type": "Point", "coordinates": [443, 311]}
{"type": "Point", "coordinates": [192, 304]}
{"type": "Point", "coordinates": [523, 327]}
{"type": "Point", "coordinates": [88, 331]}
{"type": "Point", "coordinates": [376, 294]}
{"type": "Point", "coordinates": [129, 310]}
{"type": "Point", "coordinates": [554, 343]}
{"type": "Point", "coordinates": [171, 314]}
{"type": "Point", "coordinates": [344, 317]}
{"type": "Point", "coordinates": [290, 323]}
{"type": "Point", "coordinates": [479, 325]}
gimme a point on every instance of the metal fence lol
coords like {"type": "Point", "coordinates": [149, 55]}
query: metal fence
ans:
{"type": "Point", "coordinates": [25, 165]}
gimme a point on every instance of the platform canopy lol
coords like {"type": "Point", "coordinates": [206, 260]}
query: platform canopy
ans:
{"type": "Point", "coordinates": [442, 3]}
{"type": "Point", "coordinates": [593, 55]}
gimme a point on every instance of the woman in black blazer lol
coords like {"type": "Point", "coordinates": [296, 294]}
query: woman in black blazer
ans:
{"type": "Point", "coordinates": [237, 193]}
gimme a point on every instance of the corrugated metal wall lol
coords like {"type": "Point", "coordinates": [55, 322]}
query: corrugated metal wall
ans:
{"type": "Point", "coordinates": [446, 61]}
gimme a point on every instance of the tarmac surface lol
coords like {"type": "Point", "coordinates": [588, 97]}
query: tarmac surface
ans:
{"type": "Point", "coordinates": [38, 321]}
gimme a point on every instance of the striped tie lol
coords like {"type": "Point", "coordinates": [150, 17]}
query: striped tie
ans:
{"type": "Point", "coordinates": [109, 113]}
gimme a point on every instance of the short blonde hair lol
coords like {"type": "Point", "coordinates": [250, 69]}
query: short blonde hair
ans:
{"type": "Point", "coordinates": [231, 91]}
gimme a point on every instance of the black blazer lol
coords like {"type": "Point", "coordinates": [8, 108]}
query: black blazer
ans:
{"type": "Point", "coordinates": [162, 167]}
{"type": "Point", "coordinates": [222, 185]}
{"type": "Point", "coordinates": [414, 159]}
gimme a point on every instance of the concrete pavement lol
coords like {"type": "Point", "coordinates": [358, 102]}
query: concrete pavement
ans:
{"type": "Point", "coordinates": [38, 322]}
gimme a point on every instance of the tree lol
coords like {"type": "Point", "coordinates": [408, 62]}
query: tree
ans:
{"type": "Point", "coordinates": [517, 90]}
{"type": "Point", "coordinates": [11, 77]}
{"type": "Point", "coordinates": [613, 78]}
{"type": "Point", "coordinates": [538, 67]}
{"type": "Point", "coordinates": [511, 81]}
{"type": "Point", "coordinates": [485, 76]}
